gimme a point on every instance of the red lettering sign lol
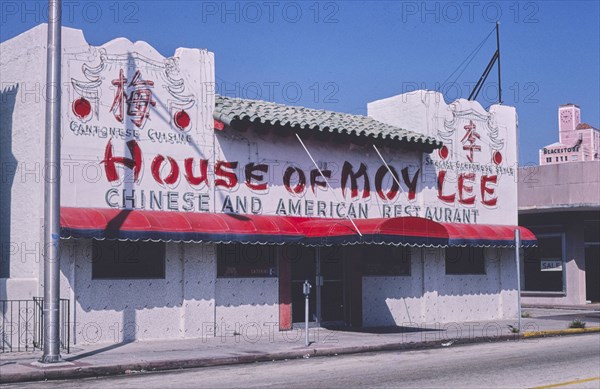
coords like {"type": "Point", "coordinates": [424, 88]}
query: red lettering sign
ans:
{"type": "Point", "coordinates": [316, 180]}
{"type": "Point", "coordinates": [487, 190]}
{"type": "Point", "coordinates": [287, 180]}
{"type": "Point", "coordinates": [251, 176]}
{"type": "Point", "coordinates": [411, 184]}
{"type": "Point", "coordinates": [381, 173]}
{"type": "Point", "coordinates": [189, 171]}
{"type": "Point", "coordinates": [441, 196]}
{"type": "Point", "coordinates": [156, 168]}
{"type": "Point", "coordinates": [110, 161]}
{"type": "Point", "coordinates": [463, 188]}
{"type": "Point", "coordinates": [469, 140]}
{"type": "Point", "coordinates": [138, 102]}
{"type": "Point", "coordinates": [229, 178]}
{"type": "Point", "coordinates": [348, 173]}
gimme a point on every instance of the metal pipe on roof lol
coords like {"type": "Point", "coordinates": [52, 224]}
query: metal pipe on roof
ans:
{"type": "Point", "coordinates": [387, 166]}
{"type": "Point", "coordinates": [326, 181]}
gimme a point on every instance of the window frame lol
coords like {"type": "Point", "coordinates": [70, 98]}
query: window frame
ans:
{"type": "Point", "coordinates": [563, 243]}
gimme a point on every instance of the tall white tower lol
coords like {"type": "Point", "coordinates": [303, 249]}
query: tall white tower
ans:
{"type": "Point", "coordinates": [569, 116]}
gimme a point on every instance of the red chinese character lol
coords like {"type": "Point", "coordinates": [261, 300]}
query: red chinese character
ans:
{"type": "Point", "coordinates": [117, 107]}
{"type": "Point", "coordinates": [140, 99]}
{"type": "Point", "coordinates": [469, 140]}
{"type": "Point", "coordinates": [138, 102]}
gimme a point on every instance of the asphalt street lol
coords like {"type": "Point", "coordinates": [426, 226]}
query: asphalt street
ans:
{"type": "Point", "coordinates": [569, 362]}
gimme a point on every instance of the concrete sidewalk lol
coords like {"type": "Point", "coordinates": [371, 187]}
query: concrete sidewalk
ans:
{"type": "Point", "coordinates": [252, 346]}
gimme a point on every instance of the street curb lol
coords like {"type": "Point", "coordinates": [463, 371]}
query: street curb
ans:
{"type": "Point", "coordinates": [74, 372]}
{"type": "Point", "coordinates": [78, 372]}
{"type": "Point", "coordinates": [568, 331]}
{"type": "Point", "coordinates": [562, 307]}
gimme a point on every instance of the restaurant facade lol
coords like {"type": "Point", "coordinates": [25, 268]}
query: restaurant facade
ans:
{"type": "Point", "coordinates": [185, 214]}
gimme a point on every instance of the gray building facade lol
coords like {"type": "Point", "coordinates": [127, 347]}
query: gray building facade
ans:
{"type": "Point", "coordinates": [561, 204]}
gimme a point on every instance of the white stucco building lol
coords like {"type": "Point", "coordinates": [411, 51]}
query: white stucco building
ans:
{"type": "Point", "coordinates": [186, 214]}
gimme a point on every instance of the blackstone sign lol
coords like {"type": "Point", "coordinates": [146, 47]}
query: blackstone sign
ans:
{"type": "Point", "coordinates": [138, 133]}
{"type": "Point", "coordinates": [562, 150]}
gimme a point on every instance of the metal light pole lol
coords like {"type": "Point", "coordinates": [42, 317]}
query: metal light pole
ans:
{"type": "Point", "coordinates": [52, 187]}
{"type": "Point", "coordinates": [518, 261]}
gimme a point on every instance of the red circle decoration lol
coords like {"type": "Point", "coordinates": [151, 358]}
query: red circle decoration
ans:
{"type": "Point", "coordinates": [82, 108]}
{"type": "Point", "coordinates": [443, 152]}
{"type": "Point", "coordinates": [497, 157]}
{"type": "Point", "coordinates": [182, 120]}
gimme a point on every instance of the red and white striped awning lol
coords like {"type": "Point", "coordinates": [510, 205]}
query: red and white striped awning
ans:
{"type": "Point", "coordinates": [260, 229]}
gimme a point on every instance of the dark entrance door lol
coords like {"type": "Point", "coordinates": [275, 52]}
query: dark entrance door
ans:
{"type": "Point", "coordinates": [592, 273]}
{"type": "Point", "coordinates": [303, 268]}
{"type": "Point", "coordinates": [331, 266]}
{"type": "Point", "coordinates": [324, 268]}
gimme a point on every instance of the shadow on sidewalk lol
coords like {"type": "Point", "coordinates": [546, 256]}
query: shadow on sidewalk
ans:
{"type": "Point", "coordinates": [98, 351]}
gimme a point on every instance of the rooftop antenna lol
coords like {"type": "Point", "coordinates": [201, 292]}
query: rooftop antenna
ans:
{"type": "Point", "coordinates": [488, 69]}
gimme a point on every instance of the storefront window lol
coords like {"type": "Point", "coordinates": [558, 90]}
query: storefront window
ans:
{"type": "Point", "coordinates": [544, 265]}
{"type": "Point", "coordinates": [465, 260]}
{"type": "Point", "coordinates": [127, 260]}
{"type": "Point", "coordinates": [246, 260]}
{"type": "Point", "coordinates": [387, 261]}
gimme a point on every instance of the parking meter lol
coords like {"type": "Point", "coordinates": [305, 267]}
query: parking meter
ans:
{"type": "Point", "coordinates": [306, 290]}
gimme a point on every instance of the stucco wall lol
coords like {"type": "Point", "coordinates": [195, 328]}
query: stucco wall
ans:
{"type": "Point", "coordinates": [395, 300]}
{"type": "Point", "coordinates": [113, 311]}
{"type": "Point", "coordinates": [509, 295]}
{"type": "Point", "coordinates": [199, 275]}
{"type": "Point", "coordinates": [22, 81]}
{"type": "Point", "coordinates": [429, 295]}
{"type": "Point", "coordinates": [566, 185]}
{"type": "Point", "coordinates": [190, 302]}
{"type": "Point", "coordinates": [246, 304]}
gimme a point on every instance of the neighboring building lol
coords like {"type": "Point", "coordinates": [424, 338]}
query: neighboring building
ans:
{"type": "Point", "coordinates": [577, 141]}
{"type": "Point", "coordinates": [560, 203]}
{"type": "Point", "coordinates": [186, 215]}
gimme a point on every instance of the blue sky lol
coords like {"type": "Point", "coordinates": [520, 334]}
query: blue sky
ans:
{"type": "Point", "coordinates": [341, 55]}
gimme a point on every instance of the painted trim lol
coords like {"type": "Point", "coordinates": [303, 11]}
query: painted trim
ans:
{"type": "Point", "coordinates": [285, 291]}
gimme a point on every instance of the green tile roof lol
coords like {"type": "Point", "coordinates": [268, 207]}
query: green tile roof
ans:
{"type": "Point", "coordinates": [233, 111]}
